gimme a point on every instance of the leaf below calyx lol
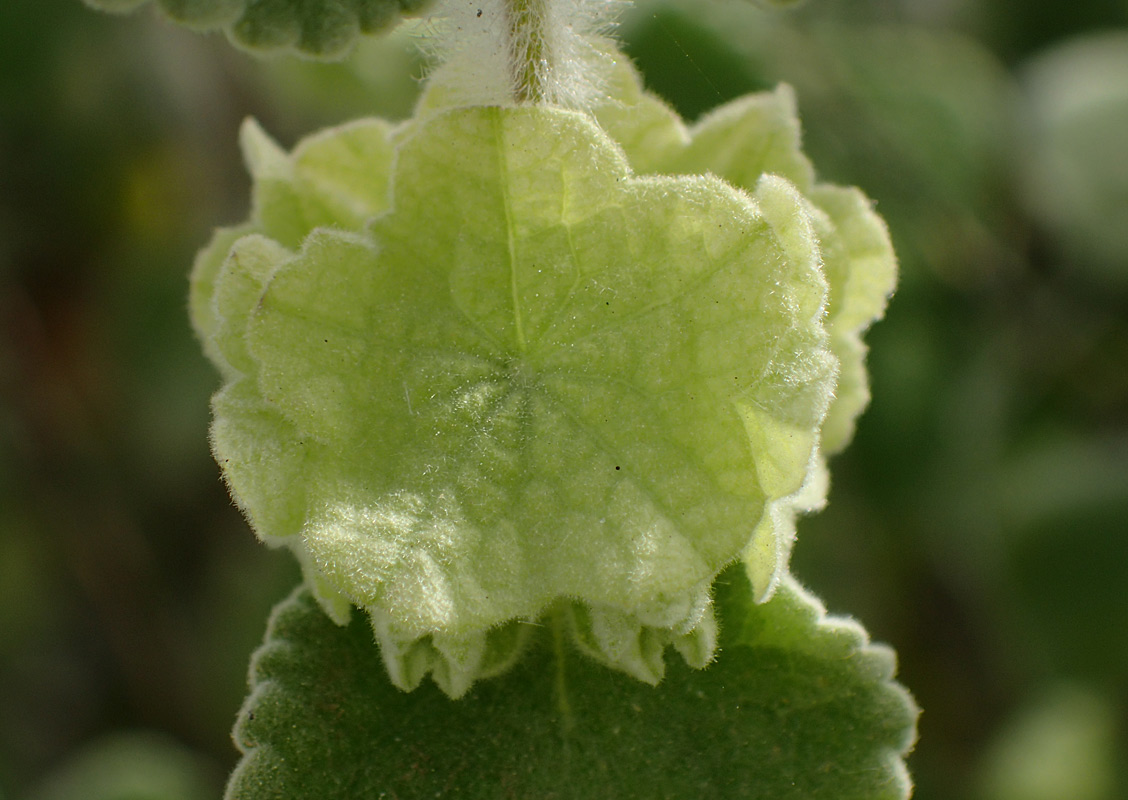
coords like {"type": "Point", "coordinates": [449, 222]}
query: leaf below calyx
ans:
{"type": "Point", "coordinates": [800, 706]}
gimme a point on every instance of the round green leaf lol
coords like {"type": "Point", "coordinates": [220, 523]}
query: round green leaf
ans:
{"type": "Point", "coordinates": [799, 707]}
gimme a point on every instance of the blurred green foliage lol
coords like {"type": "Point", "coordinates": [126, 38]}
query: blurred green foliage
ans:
{"type": "Point", "coordinates": [977, 523]}
{"type": "Point", "coordinates": [312, 28]}
{"type": "Point", "coordinates": [131, 766]}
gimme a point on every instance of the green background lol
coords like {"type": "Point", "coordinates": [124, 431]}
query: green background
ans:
{"type": "Point", "coordinates": [977, 523]}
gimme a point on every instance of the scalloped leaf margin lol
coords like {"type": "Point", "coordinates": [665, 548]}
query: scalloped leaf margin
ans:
{"type": "Point", "coordinates": [801, 705]}
{"type": "Point", "coordinates": [606, 433]}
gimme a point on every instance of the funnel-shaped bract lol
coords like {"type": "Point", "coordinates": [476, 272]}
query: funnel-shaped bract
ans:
{"type": "Point", "coordinates": [535, 380]}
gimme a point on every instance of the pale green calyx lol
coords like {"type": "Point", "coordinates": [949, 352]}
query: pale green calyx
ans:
{"type": "Point", "coordinates": [535, 382]}
{"type": "Point", "coordinates": [562, 388]}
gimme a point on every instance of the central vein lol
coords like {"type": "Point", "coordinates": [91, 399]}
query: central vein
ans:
{"type": "Point", "coordinates": [510, 234]}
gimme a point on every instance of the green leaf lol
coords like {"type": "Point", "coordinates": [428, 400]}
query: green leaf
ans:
{"type": "Point", "coordinates": [799, 706]}
{"type": "Point", "coordinates": [557, 381]}
{"type": "Point", "coordinates": [317, 28]}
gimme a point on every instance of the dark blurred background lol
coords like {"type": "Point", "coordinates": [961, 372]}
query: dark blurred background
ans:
{"type": "Point", "coordinates": [979, 522]}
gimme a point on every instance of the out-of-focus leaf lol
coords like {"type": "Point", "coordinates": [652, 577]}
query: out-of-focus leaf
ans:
{"type": "Point", "coordinates": [1077, 169]}
{"type": "Point", "coordinates": [618, 378]}
{"type": "Point", "coordinates": [1060, 748]}
{"type": "Point", "coordinates": [922, 120]}
{"type": "Point", "coordinates": [317, 28]}
{"type": "Point", "coordinates": [131, 766]}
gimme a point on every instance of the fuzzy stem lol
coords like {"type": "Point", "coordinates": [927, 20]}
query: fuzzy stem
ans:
{"type": "Point", "coordinates": [527, 21]}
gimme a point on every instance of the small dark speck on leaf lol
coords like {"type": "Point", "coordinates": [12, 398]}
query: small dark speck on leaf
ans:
{"type": "Point", "coordinates": [616, 468]}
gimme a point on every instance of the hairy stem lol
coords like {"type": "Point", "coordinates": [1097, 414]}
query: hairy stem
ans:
{"type": "Point", "coordinates": [527, 22]}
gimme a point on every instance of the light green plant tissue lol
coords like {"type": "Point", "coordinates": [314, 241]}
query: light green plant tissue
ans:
{"type": "Point", "coordinates": [477, 366]}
